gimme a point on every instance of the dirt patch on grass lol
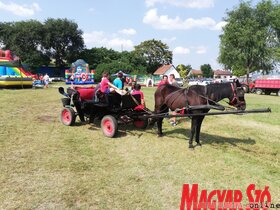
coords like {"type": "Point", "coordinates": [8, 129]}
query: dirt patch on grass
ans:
{"type": "Point", "coordinates": [47, 118]}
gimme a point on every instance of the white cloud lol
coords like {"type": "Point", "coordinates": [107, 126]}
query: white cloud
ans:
{"type": "Point", "coordinates": [128, 31]}
{"type": "Point", "coordinates": [166, 23]}
{"type": "Point", "coordinates": [182, 3]}
{"type": "Point", "coordinates": [169, 40]}
{"type": "Point", "coordinates": [219, 26]}
{"type": "Point", "coordinates": [20, 10]}
{"type": "Point", "coordinates": [120, 43]}
{"type": "Point", "coordinates": [181, 51]}
{"type": "Point", "coordinates": [201, 50]}
{"type": "Point", "coordinates": [100, 39]}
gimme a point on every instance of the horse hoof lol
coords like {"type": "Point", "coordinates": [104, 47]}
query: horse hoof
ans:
{"type": "Point", "coordinates": [198, 144]}
{"type": "Point", "coordinates": [160, 134]}
{"type": "Point", "coordinates": [191, 147]}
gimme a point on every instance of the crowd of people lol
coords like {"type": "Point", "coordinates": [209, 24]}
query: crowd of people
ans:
{"type": "Point", "coordinates": [118, 85]}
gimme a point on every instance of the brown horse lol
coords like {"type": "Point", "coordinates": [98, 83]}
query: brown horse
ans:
{"type": "Point", "coordinates": [197, 99]}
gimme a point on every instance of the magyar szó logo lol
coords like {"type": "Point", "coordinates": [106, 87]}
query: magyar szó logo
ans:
{"type": "Point", "coordinates": [254, 199]}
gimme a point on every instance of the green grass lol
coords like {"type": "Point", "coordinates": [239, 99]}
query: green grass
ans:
{"type": "Point", "coordinates": [46, 165]}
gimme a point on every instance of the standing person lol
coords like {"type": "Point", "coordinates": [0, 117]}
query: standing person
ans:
{"type": "Point", "coordinates": [137, 90]}
{"type": "Point", "coordinates": [118, 81]}
{"type": "Point", "coordinates": [46, 79]}
{"type": "Point", "coordinates": [172, 80]}
{"type": "Point", "coordinates": [41, 79]}
{"type": "Point", "coordinates": [164, 81]}
{"type": "Point", "coordinates": [133, 87]}
{"type": "Point", "coordinates": [104, 84]}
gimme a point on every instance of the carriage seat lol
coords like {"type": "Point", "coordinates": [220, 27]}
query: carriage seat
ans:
{"type": "Point", "coordinates": [129, 103]}
{"type": "Point", "coordinates": [86, 93]}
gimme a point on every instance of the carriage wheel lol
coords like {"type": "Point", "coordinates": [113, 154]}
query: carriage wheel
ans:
{"type": "Point", "coordinates": [68, 116]}
{"type": "Point", "coordinates": [142, 124]}
{"type": "Point", "coordinates": [109, 126]}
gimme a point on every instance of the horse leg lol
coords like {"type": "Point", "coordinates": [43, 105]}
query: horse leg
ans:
{"type": "Point", "coordinates": [198, 127]}
{"type": "Point", "coordinates": [159, 125]}
{"type": "Point", "coordinates": [193, 131]}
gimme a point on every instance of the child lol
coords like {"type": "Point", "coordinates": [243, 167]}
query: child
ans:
{"type": "Point", "coordinates": [137, 90]}
{"type": "Point", "coordinates": [104, 84]}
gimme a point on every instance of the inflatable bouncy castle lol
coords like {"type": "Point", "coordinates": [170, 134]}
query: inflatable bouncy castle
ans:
{"type": "Point", "coordinates": [79, 74]}
{"type": "Point", "coordinates": [11, 72]}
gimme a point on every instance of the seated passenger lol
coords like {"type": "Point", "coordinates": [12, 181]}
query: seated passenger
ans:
{"type": "Point", "coordinates": [137, 90]}
{"type": "Point", "coordinates": [104, 84]}
{"type": "Point", "coordinates": [133, 87]}
{"type": "Point", "coordinates": [118, 81]}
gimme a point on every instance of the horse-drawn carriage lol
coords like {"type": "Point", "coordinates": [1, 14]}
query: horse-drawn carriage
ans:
{"type": "Point", "coordinates": [112, 109]}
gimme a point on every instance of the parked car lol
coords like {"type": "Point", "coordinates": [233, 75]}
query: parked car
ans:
{"type": "Point", "coordinates": [200, 82]}
{"type": "Point", "coordinates": [57, 79]}
{"type": "Point", "coordinates": [180, 81]}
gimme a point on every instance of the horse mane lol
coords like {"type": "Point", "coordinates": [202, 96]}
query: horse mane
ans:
{"type": "Point", "coordinates": [214, 86]}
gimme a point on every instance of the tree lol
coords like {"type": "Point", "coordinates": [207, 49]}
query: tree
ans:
{"type": "Point", "coordinates": [111, 68]}
{"type": "Point", "coordinates": [207, 71]}
{"type": "Point", "coordinates": [276, 28]}
{"type": "Point", "coordinates": [24, 39]}
{"type": "Point", "coordinates": [183, 70]}
{"type": "Point", "coordinates": [155, 53]}
{"type": "Point", "coordinates": [96, 56]}
{"type": "Point", "coordinates": [62, 40]}
{"type": "Point", "coordinates": [246, 42]}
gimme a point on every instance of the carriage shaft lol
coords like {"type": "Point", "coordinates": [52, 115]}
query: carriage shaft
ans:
{"type": "Point", "coordinates": [164, 115]}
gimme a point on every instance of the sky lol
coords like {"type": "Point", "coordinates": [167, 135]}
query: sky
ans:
{"type": "Point", "coordinates": [190, 28]}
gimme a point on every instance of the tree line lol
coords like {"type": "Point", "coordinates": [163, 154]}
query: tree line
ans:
{"type": "Point", "coordinates": [59, 42]}
{"type": "Point", "coordinates": [249, 42]}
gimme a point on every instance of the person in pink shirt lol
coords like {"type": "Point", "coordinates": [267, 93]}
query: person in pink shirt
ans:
{"type": "Point", "coordinates": [164, 81]}
{"type": "Point", "coordinates": [137, 90]}
{"type": "Point", "coordinates": [104, 84]}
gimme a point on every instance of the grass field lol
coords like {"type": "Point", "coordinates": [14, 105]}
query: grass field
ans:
{"type": "Point", "coordinates": [46, 165]}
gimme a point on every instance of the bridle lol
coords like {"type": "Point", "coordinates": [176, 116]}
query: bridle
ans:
{"type": "Point", "coordinates": [236, 95]}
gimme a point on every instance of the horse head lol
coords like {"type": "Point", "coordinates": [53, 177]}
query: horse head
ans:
{"type": "Point", "coordinates": [237, 98]}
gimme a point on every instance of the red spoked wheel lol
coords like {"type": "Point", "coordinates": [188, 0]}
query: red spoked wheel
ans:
{"type": "Point", "coordinates": [68, 116]}
{"type": "Point", "coordinates": [142, 124]}
{"type": "Point", "coordinates": [109, 126]}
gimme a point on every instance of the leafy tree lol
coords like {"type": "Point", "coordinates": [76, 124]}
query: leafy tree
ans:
{"type": "Point", "coordinates": [183, 70]}
{"type": "Point", "coordinates": [62, 40]}
{"type": "Point", "coordinates": [207, 71]}
{"type": "Point", "coordinates": [276, 29]}
{"type": "Point", "coordinates": [24, 39]}
{"type": "Point", "coordinates": [246, 42]}
{"type": "Point", "coordinates": [96, 56]}
{"type": "Point", "coordinates": [155, 53]}
{"type": "Point", "coordinates": [111, 68]}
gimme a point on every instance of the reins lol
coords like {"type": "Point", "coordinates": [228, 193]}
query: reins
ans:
{"type": "Point", "coordinates": [137, 103]}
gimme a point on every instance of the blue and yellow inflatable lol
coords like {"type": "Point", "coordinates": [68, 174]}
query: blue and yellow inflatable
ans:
{"type": "Point", "coordinates": [79, 74]}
